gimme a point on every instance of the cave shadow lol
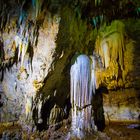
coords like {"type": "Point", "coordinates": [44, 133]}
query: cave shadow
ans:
{"type": "Point", "coordinates": [45, 113]}
{"type": "Point", "coordinates": [1, 102]}
{"type": "Point", "coordinates": [97, 103]}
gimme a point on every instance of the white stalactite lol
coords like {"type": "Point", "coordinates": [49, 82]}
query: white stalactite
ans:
{"type": "Point", "coordinates": [106, 55]}
{"type": "Point", "coordinates": [83, 85]}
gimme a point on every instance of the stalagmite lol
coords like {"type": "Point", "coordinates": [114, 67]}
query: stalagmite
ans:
{"type": "Point", "coordinates": [82, 88]}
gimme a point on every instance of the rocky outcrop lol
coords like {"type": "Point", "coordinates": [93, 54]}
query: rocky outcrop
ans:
{"type": "Point", "coordinates": [122, 106]}
{"type": "Point", "coordinates": [119, 78]}
{"type": "Point", "coordinates": [120, 55]}
{"type": "Point", "coordinates": [21, 82]}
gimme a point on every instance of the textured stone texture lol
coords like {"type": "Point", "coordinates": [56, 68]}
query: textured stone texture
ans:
{"type": "Point", "coordinates": [21, 84]}
{"type": "Point", "coordinates": [122, 106]}
{"type": "Point", "coordinates": [114, 77]}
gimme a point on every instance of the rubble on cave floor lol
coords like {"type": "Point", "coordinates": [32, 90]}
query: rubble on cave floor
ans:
{"type": "Point", "coordinates": [13, 131]}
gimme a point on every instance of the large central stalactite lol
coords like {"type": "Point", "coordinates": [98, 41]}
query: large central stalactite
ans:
{"type": "Point", "coordinates": [83, 84]}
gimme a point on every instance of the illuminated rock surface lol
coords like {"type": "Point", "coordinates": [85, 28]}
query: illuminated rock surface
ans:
{"type": "Point", "coordinates": [39, 44]}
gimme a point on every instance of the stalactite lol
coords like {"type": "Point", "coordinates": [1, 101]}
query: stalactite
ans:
{"type": "Point", "coordinates": [37, 6]}
{"type": "Point", "coordinates": [82, 88]}
{"type": "Point", "coordinates": [25, 38]}
{"type": "Point", "coordinates": [39, 111]}
{"type": "Point", "coordinates": [27, 29]}
{"type": "Point", "coordinates": [110, 46]}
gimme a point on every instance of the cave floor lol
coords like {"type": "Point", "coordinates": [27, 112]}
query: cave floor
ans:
{"type": "Point", "coordinates": [123, 132]}
{"type": "Point", "coordinates": [10, 131]}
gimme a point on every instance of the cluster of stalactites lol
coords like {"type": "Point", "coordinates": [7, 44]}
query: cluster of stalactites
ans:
{"type": "Point", "coordinates": [83, 84]}
{"type": "Point", "coordinates": [110, 44]}
{"type": "Point", "coordinates": [23, 23]}
{"type": "Point", "coordinates": [28, 30]}
{"type": "Point", "coordinates": [26, 37]}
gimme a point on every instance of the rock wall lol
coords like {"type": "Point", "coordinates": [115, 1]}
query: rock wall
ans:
{"type": "Point", "coordinates": [121, 101]}
{"type": "Point", "coordinates": [122, 106]}
{"type": "Point", "coordinates": [21, 82]}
